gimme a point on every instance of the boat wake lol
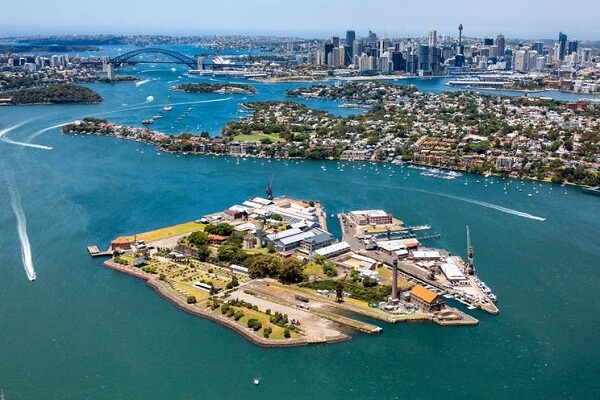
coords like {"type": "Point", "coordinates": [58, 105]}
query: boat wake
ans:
{"type": "Point", "coordinates": [21, 225]}
{"type": "Point", "coordinates": [41, 131]}
{"type": "Point", "coordinates": [5, 131]}
{"type": "Point", "coordinates": [467, 200]}
{"type": "Point", "coordinates": [139, 83]}
{"type": "Point", "coordinates": [484, 204]}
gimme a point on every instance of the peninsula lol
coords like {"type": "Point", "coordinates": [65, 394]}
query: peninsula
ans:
{"type": "Point", "coordinates": [521, 137]}
{"type": "Point", "coordinates": [269, 269]}
{"type": "Point", "coordinates": [224, 88]}
{"type": "Point", "coordinates": [53, 94]}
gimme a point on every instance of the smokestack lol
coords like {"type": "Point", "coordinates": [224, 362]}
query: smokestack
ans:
{"type": "Point", "coordinates": [395, 279]}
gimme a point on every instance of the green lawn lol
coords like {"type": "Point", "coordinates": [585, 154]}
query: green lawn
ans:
{"type": "Point", "coordinates": [256, 137]}
{"type": "Point", "coordinates": [169, 231]}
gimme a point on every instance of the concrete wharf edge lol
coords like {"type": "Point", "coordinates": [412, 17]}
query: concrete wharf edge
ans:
{"type": "Point", "coordinates": [247, 333]}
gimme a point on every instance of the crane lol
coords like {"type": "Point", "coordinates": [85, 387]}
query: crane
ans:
{"type": "Point", "coordinates": [269, 190]}
{"type": "Point", "coordinates": [339, 289]}
{"type": "Point", "coordinates": [471, 269]}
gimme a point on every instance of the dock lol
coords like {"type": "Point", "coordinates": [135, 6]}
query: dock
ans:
{"type": "Point", "coordinates": [95, 252]}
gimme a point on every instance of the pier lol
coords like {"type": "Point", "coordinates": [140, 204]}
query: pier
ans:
{"type": "Point", "coordinates": [95, 252]}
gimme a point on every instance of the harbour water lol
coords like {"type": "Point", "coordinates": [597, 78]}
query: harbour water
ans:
{"type": "Point", "coordinates": [81, 331]}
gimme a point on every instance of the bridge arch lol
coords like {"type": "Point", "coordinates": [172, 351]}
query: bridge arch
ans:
{"type": "Point", "coordinates": [182, 58]}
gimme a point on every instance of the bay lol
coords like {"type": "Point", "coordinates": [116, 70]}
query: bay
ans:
{"type": "Point", "coordinates": [81, 331]}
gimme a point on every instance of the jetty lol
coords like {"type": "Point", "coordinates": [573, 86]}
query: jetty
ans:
{"type": "Point", "coordinates": [96, 252]}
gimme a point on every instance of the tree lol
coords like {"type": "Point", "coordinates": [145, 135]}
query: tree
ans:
{"type": "Point", "coordinates": [263, 265]}
{"type": "Point", "coordinates": [291, 271]}
{"type": "Point", "coordinates": [319, 259]}
{"type": "Point", "coordinates": [191, 299]}
{"type": "Point", "coordinates": [222, 229]}
{"type": "Point", "coordinates": [231, 252]}
{"type": "Point", "coordinates": [369, 282]}
{"type": "Point", "coordinates": [254, 323]}
{"type": "Point", "coordinates": [203, 253]}
{"type": "Point", "coordinates": [267, 331]}
{"type": "Point", "coordinates": [329, 269]}
{"type": "Point", "coordinates": [234, 282]}
{"type": "Point", "coordinates": [198, 238]}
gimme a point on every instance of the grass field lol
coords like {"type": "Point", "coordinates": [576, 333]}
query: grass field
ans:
{"type": "Point", "coordinates": [257, 137]}
{"type": "Point", "coordinates": [166, 232]}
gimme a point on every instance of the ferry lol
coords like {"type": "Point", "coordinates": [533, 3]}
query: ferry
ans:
{"type": "Point", "coordinates": [591, 190]}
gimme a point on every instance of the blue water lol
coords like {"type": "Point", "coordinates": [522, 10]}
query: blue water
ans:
{"type": "Point", "coordinates": [81, 331]}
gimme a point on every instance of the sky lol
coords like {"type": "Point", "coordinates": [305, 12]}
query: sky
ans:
{"type": "Point", "coordinates": [526, 19]}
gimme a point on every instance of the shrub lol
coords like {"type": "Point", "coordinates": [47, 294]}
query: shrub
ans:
{"type": "Point", "coordinates": [191, 299]}
{"type": "Point", "coordinates": [287, 332]}
{"type": "Point", "coordinates": [254, 323]}
{"type": "Point", "coordinates": [267, 331]}
{"type": "Point", "coordinates": [238, 315]}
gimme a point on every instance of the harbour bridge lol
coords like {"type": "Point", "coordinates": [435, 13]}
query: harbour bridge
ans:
{"type": "Point", "coordinates": [178, 57]}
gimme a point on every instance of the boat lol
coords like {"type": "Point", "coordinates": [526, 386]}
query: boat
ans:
{"type": "Point", "coordinates": [168, 106]}
{"type": "Point", "coordinates": [256, 381]}
{"type": "Point", "coordinates": [591, 190]}
{"type": "Point", "coordinates": [148, 121]}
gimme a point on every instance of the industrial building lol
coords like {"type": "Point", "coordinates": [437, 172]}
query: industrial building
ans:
{"type": "Point", "coordinates": [371, 217]}
{"type": "Point", "coordinates": [426, 300]}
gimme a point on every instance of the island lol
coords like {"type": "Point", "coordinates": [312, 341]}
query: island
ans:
{"type": "Point", "coordinates": [269, 269]}
{"type": "Point", "coordinates": [53, 94]}
{"type": "Point", "coordinates": [223, 88]}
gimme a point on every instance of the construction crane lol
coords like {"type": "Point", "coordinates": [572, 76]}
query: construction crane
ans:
{"type": "Point", "coordinates": [339, 289]}
{"type": "Point", "coordinates": [269, 190]}
{"type": "Point", "coordinates": [471, 269]}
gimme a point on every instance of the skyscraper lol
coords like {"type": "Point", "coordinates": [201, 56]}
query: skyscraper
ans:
{"type": "Point", "coordinates": [372, 39]}
{"type": "Point", "coordinates": [538, 46]}
{"type": "Point", "coordinates": [572, 47]}
{"type": "Point", "coordinates": [562, 46]}
{"type": "Point", "coordinates": [432, 38]}
{"type": "Point", "coordinates": [350, 38]}
{"type": "Point", "coordinates": [501, 44]}
{"type": "Point", "coordinates": [328, 51]}
{"type": "Point", "coordinates": [424, 62]}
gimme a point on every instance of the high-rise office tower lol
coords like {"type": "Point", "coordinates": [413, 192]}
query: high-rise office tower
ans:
{"type": "Point", "coordinates": [432, 38]}
{"type": "Point", "coordinates": [382, 46]}
{"type": "Point", "coordinates": [336, 41]}
{"type": "Point", "coordinates": [572, 47]}
{"type": "Point", "coordinates": [424, 62]}
{"type": "Point", "coordinates": [488, 42]}
{"type": "Point", "coordinates": [328, 51]}
{"type": "Point", "coordinates": [501, 44]}
{"type": "Point", "coordinates": [562, 46]}
{"type": "Point", "coordinates": [538, 46]}
{"type": "Point", "coordinates": [350, 38]}
{"type": "Point", "coordinates": [372, 39]}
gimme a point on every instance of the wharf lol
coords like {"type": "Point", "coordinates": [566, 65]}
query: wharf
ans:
{"type": "Point", "coordinates": [411, 270]}
{"type": "Point", "coordinates": [95, 252]}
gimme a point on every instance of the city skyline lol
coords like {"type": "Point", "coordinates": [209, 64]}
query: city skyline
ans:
{"type": "Point", "coordinates": [536, 20]}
